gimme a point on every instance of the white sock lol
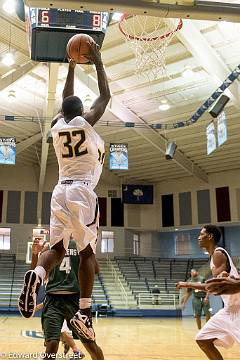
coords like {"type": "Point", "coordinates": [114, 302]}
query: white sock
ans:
{"type": "Point", "coordinates": [40, 271]}
{"type": "Point", "coordinates": [85, 303]}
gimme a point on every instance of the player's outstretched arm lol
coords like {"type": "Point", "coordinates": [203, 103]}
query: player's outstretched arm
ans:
{"type": "Point", "coordinates": [223, 285]}
{"type": "Point", "coordinates": [185, 299]}
{"type": "Point", "coordinates": [191, 285]}
{"type": "Point", "coordinates": [100, 104]}
{"type": "Point", "coordinates": [37, 248]}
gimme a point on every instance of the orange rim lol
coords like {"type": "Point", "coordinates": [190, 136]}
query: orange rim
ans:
{"type": "Point", "coordinates": [144, 38]}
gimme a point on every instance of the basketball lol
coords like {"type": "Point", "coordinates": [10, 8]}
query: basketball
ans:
{"type": "Point", "coordinates": [78, 48]}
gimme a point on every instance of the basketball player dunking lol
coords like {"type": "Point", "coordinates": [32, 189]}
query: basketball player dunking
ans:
{"type": "Point", "coordinates": [74, 206]}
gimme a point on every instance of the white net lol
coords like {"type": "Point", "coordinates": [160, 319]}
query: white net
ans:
{"type": "Point", "coordinates": [149, 37]}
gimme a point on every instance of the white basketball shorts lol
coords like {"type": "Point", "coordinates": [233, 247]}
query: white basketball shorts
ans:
{"type": "Point", "coordinates": [224, 327]}
{"type": "Point", "coordinates": [74, 211]}
{"type": "Point", "coordinates": [65, 328]}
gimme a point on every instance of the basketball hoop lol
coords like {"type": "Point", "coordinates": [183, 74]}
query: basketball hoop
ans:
{"type": "Point", "coordinates": [149, 37]}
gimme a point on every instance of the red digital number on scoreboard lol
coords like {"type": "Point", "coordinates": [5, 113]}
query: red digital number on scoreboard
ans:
{"type": "Point", "coordinates": [45, 17]}
{"type": "Point", "coordinates": [96, 20]}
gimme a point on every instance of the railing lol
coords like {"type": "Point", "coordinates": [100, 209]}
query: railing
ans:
{"type": "Point", "coordinates": [11, 261]}
{"type": "Point", "coordinates": [13, 278]}
{"type": "Point", "coordinates": [118, 282]}
{"type": "Point", "coordinates": [162, 300]}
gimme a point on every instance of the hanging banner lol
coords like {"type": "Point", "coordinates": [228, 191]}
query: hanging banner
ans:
{"type": "Point", "coordinates": [222, 128]}
{"type": "Point", "coordinates": [137, 194]}
{"type": "Point", "coordinates": [211, 138]}
{"type": "Point", "coordinates": [7, 150]}
{"type": "Point", "coordinates": [118, 157]}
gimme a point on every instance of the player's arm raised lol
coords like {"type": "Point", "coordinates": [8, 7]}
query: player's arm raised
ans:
{"type": "Point", "coordinates": [69, 84]}
{"type": "Point", "coordinates": [100, 104]}
{"type": "Point", "coordinates": [68, 89]}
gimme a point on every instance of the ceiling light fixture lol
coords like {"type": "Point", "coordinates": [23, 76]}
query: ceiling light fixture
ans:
{"type": "Point", "coordinates": [188, 73]}
{"type": "Point", "coordinates": [88, 101]}
{"type": "Point", "coordinates": [226, 25]}
{"type": "Point", "coordinates": [117, 16]}
{"type": "Point", "coordinates": [164, 105]}
{"type": "Point", "coordinates": [11, 95]}
{"type": "Point", "coordinates": [229, 30]}
{"type": "Point", "coordinates": [8, 59]}
{"type": "Point", "coordinates": [9, 6]}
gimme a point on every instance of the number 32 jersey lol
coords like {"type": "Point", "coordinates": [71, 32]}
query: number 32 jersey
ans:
{"type": "Point", "coordinates": [79, 149]}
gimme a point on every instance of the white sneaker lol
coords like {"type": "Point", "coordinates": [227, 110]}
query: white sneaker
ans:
{"type": "Point", "coordinates": [28, 296]}
{"type": "Point", "coordinates": [82, 324]}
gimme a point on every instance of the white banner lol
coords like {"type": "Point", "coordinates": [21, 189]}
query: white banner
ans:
{"type": "Point", "coordinates": [7, 150]}
{"type": "Point", "coordinates": [118, 157]}
{"type": "Point", "coordinates": [211, 138]}
{"type": "Point", "coordinates": [222, 128]}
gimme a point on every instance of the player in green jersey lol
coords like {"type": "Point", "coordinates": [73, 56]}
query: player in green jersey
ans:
{"type": "Point", "coordinates": [200, 300]}
{"type": "Point", "coordinates": [62, 300]}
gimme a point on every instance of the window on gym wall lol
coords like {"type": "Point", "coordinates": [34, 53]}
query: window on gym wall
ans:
{"type": "Point", "coordinates": [183, 244]}
{"type": "Point", "coordinates": [136, 244]}
{"type": "Point", "coordinates": [5, 238]}
{"type": "Point", "coordinates": [107, 243]}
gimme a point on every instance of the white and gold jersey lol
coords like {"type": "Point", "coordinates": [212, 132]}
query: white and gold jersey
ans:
{"type": "Point", "coordinates": [79, 149]}
{"type": "Point", "coordinates": [230, 301]}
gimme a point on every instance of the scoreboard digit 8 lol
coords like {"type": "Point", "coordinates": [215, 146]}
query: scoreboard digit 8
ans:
{"type": "Point", "coordinates": [50, 29]}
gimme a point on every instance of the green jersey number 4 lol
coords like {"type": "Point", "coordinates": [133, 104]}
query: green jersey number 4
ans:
{"type": "Point", "coordinates": [65, 265]}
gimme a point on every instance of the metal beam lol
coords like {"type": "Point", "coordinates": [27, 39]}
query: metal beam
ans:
{"type": "Point", "coordinates": [198, 10]}
{"type": "Point", "coordinates": [23, 145]}
{"type": "Point", "coordinates": [206, 56]}
{"type": "Point", "coordinates": [16, 75]}
{"type": "Point", "coordinates": [152, 136]}
{"type": "Point", "coordinates": [14, 46]}
{"type": "Point", "coordinates": [52, 85]}
{"type": "Point", "coordinates": [158, 141]}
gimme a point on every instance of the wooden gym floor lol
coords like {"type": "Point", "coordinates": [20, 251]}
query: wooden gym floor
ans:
{"type": "Point", "coordinates": [120, 338]}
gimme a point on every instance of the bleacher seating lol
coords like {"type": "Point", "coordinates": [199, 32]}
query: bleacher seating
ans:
{"type": "Point", "coordinates": [99, 293]}
{"type": "Point", "coordinates": [143, 273]}
{"type": "Point", "coordinates": [11, 278]}
{"type": "Point", "coordinates": [7, 269]}
{"type": "Point", "coordinates": [20, 269]}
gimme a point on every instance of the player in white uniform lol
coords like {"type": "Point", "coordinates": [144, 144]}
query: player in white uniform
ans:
{"type": "Point", "coordinates": [74, 207]}
{"type": "Point", "coordinates": [223, 329]}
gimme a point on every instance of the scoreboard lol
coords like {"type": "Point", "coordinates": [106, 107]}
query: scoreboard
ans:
{"type": "Point", "coordinates": [50, 29]}
{"type": "Point", "coordinates": [69, 19]}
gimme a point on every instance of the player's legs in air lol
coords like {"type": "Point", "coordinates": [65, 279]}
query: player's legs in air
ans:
{"type": "Point", "coordinates": [33, 278]}
{"type": "Point", "coordinates": [85, 226]}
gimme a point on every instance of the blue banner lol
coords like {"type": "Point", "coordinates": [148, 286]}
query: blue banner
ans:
{"type": "Point", "coordinates": [137, 194]}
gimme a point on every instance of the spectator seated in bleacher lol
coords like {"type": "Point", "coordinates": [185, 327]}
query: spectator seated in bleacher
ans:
{"type": "Point", "coordinates": [155, 297]}
{"type": "Point", "coordinates": [103, 310]}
